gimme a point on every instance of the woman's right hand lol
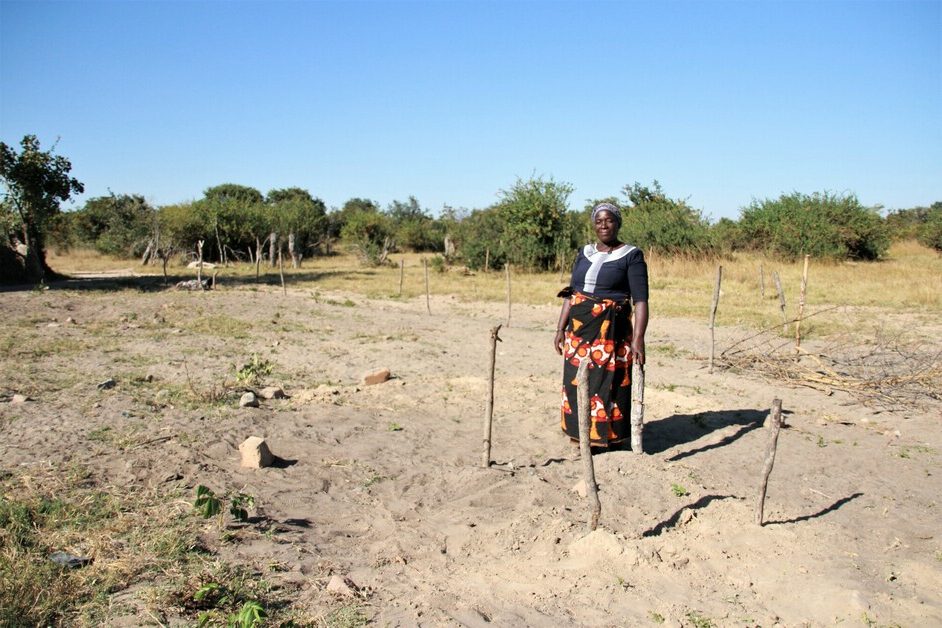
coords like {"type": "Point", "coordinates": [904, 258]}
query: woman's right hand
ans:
{"type": "Point", "coordinates": [558, 341]}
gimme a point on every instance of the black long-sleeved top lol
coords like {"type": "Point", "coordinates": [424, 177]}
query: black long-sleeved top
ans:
{"type": "Point", "coordinates": [612, 275]}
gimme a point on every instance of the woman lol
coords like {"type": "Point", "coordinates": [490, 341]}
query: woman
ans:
{"type": "Point", "coordinates": [594, 324]}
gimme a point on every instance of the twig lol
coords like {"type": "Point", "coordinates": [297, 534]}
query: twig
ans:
{"type": "Point", "coordinates": [801, 305]}
{"type": "Point", "coordinates": [781, 299]}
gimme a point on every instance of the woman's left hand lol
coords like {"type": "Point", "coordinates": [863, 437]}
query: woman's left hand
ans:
{"type": "Point", "coordinates": [637, 351]}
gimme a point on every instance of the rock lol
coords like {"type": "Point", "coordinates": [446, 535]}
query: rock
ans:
{"type": "Point", "coordinates": [341, 585]}
{"type": "Point", "coordinates": [70, 561]}
{"type": "Point", "coordinates": [248, 400]}
{"type": "Point", "coordinates": [70, 320]}
{"type": "Point", "coordinates": [255, 453]}
{"type": "Point", "coordinates": [162, 398]}
{"type": "Point", "coordinates": [579, 488]}
{"type": "Point", "coordinates": [193, 284]}
{"type": "Point", "coordinates": [376, 377]}
{"type": "Point", "coordinates": [108, 384]}
{"type": "Point", "coordinates": [196, 264]}
{"type": "Point", "coordinates": [18, 398]}
{"type": "Point", "coordinates": [272, 392]}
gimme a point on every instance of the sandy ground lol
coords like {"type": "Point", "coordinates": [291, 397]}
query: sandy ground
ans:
{"type": "Point", "coordinates": [383, 483]}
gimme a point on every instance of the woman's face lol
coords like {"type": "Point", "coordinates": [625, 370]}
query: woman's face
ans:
{"type": "Point", "coordinates": [606, 227]}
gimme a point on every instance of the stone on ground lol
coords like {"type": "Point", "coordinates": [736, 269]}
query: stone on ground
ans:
{"type": "Point", "coordinates": [248, 400]}
{"type": "Point", "coordinates": [255, 453]}
{"type": "Point", "coordinates": [376, 377]}
{"type": "Point", "coordinates": [272, 392]}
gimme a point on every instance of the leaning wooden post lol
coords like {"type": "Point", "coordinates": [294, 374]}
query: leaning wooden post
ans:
{"type": "Point", "coordinates": [402, 263]}
{"type": "Point", "coordinates": [762, 281]}
{"type": "Point", "coordinates": [428, 303]}
{"type": "Point", "coordinates": [775, 426]}
{"type": "Point", "coordinates": [281, 272]}
{"type": "Point", "coordinates": [507, 271]}
{"type": "Point", "coordinates": [637, 407]}
{"type": "Point", "coordinates": [585, 446]}
{"type": "Point", "coordinates": [489, 412]}
{"type": "Point", "coordinates": [801, 305]}
{"type": "Point", "coordinates": [258, 257]}
{"type": "Point", "coordinates": [487, 258]}
{"type": "Point", "coordinates": [781, 300]}
{"type": "Point", "coordinates": [716, 302]}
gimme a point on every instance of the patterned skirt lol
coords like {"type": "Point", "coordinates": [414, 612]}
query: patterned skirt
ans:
{"type": "Point", "coordinates": [599, 330]}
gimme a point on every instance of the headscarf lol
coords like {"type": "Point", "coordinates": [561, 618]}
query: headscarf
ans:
{"type": "Point", "coordinates": [607, 207]}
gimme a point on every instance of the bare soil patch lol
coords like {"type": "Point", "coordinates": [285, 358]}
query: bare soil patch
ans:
{"type": "Point", "coordinates": [382, 484]}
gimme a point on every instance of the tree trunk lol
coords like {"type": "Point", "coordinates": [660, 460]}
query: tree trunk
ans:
{"type": "Point", "coordinates": [292, 251]}
{"type": "Point", "coordinates": [35, 259]}
{"type": "Point", "coordinates": [272, 252]}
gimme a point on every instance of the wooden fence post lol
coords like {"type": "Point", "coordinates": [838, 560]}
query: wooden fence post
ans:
{"type": "Point", "coordinates": [716, 302]}
{"type": "Point", "coordinates": [489, 412]}
{"type": "Point", "coordinates": [781, 300]}
{"type": "Point", "coordinates": [281, 272]}
{"type": "Point", "coordinates": [585, 446]}
{"type": "Point", "coordinates": [487, 257]}
{"type": "Point", "coordinates": [762, 281]}
{"type": "Point", "coordinates": [402, 263]}
{"type": "Point", "coordinates": [637, 408]}
{"type": "Point", "coordinates": [507, 271]}
{"type": "Point", "coordinates": [775, 426]}
{"type": "Point", "coordinates": [801, 305]}
{"type": "Point", "coordinates": [199, 269]}
{"type": "Point", "coordinates": [428, 303]}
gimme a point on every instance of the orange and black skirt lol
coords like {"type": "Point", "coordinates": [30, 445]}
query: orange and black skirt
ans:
{"type": "Point", "coordinates": [599, 330]}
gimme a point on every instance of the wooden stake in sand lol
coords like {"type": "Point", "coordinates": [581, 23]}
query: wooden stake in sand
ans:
{"type": "Point", "coordinates": [507, 270]}
{"type": "Point", "coordinates": [489, 412]}
{"type": "Point", "coordinates": [428, 303]}
{"type": "Point", "coordinates": [716, 302]}
{"type": "Point", "coordinates": [801, 305]}
{"type": "Point", "coordinates": [637, 407]}
{"type": "Point", "coordinates": [281, 272]}
{"type": "Point", "coordinates": [781, 300]}
{"type": "Point", "coordinates": [487, 258]}
{"type": "Point", "coordinates": [775, 425]}
{"type": "Point", "coordinates": [585, 447]}
{"type": "Point", "coordinates": [762, 281]}
{"type": "Point", "coordinates": [402, 263]}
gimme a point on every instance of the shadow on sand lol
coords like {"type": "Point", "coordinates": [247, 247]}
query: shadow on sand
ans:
{"type": "Point", "coordinates": [680, 429]}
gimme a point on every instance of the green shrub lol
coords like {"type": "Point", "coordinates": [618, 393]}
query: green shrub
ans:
{"type": "Point", "coordinates": [821, 224]}
{"type": "Point", "coordinates": [930, 233]}
{"type": "Point", "coordinates": [534, 220]}
{"type": "Point", "coordinates": [655, 222]}
{"type": "Point", "coordinates": [479, 238]}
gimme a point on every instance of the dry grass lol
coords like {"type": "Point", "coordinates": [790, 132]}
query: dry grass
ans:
{"type": "Point", "coordinates": [906, 287]}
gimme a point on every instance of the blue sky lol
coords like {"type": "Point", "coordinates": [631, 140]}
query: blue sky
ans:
{"type": "Point", "coordinates": [722, 102]}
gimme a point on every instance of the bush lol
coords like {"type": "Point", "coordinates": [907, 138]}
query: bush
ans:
{"type": "Point", "coordinates": [930, 233]}
{"type": "Point", "coordinates": [655, 222]}
{"type": "Point", "coordinates": [534, 220]}
{"type": "Point", "coordinates": [821, 224]}
{"type": "Point", "coordinates": [370, 233]}
{"type": "Point", "coordinates": [119, 225]}
{"type": "Point", "coordinates": [479, 238]}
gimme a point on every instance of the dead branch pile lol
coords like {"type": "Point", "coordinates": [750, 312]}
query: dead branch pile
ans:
{"type": "Point", "coordinates": [885, 370]}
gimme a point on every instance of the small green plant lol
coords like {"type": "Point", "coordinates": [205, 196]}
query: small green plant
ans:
{"type": "Point", "coordinates": [394, 427]}
{"type": "Point", "coordinates": [437, 263]}
{"type": "Point", "coordinates": [822, 442]}
{"type": "Point", "coordinates": [679, 491]}
{"type": "Point", "coordinates": [656, 617]}
{"type": "Point", "coordinates": [699, 621]}
{"type": "Point", "coordinates": [250, 615]}
{"type": "Point", "coordinates": [207, 504]}
{"type": "Point", "coordinates": [254, 370]}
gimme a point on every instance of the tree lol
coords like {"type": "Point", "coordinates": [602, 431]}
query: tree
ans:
{"type": "Point", "coordinates": [930, 233]}
{"type": "Point", "coordinates": [35, 182]}
{"type": "Point", "coordinates": [534, 214]}
{"type": "Point", "coordinates": [118, 224]}
{"type": "Point", "coordinates": [301, 216]}
{"type": "Point", "coordinates": [654, 221]}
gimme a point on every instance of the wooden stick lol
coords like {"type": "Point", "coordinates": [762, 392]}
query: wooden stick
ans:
{"type": "Point", "coordinates": [215, 270]}
{"type": "Point", "coordinates": [585, 446]}
{"type": "Point", "coordinates": [281, 272]}
{"type": "Point", "coordinates": [801, 305]}
{"type": "Point", "coordinates": [716, 302]}
{"type": "Point", "coordinates": [781, 300]}
{"type": "Point", "coordinates": [402, 263]}
{"type": "Point", "coordinates": [775, 426]}
{"type": "Point", "coordinates": [487, 257]}
{"type": "Point", "coordinates": [258, 257]}
{"type": "Point", "coordinates": [428, 303]}
{"type": "Point", "coordinates": [489, 412]}
{"type": "Point", "coordinates": [637, 407]}
{"type": "Point", "coordinates": [762, 281]}
{"type": "Point", "coordinates": [507, 271]}
{"type": "Point", "coordinates": [199, 269]}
